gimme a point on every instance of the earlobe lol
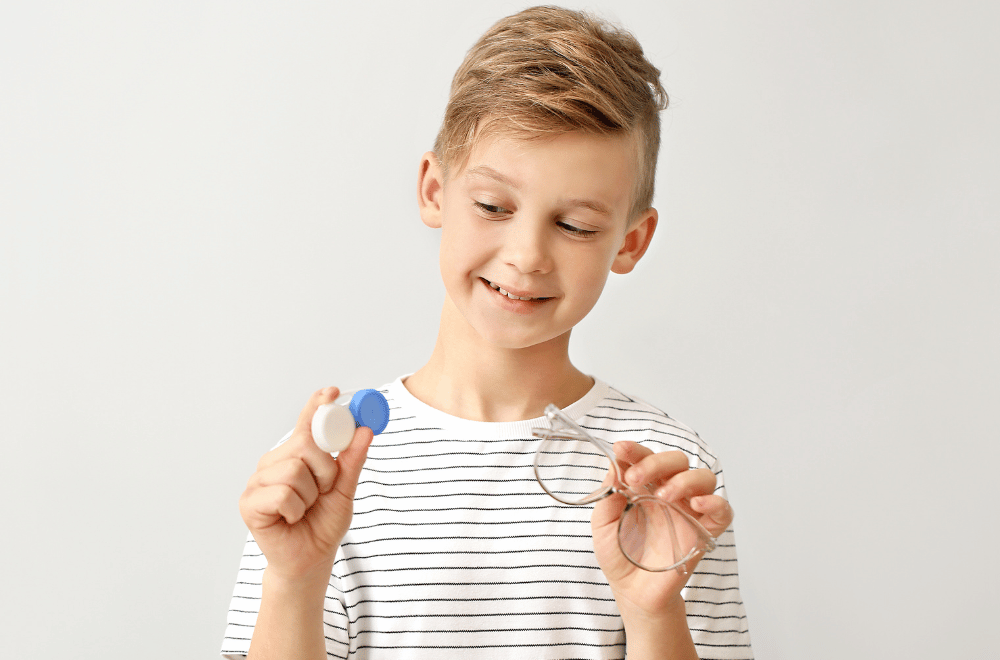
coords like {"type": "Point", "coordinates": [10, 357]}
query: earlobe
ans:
{"type": "Point", "coordinates": [430, 190]}
{"type": "Point", "coordinates": [636, 242]}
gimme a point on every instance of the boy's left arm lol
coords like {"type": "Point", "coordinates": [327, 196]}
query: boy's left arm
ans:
{"type": "Point", "coordinates": [650, 603]}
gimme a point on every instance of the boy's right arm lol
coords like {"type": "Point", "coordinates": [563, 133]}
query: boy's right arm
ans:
{"type": "Point", "coordinates": [298, 506]}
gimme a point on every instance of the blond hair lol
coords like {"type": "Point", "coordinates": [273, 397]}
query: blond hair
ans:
{"type": "Point", "coordinates": [549, 70]}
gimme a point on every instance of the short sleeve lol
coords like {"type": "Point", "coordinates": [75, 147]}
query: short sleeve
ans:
{"type": "Point", "coordinates": [245, 605]}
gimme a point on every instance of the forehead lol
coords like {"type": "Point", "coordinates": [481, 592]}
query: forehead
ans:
{"type": "Point", "coordinates": [597, 170]}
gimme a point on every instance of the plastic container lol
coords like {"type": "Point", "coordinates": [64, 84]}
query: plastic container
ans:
{"type": "Point", "coordinates": [333, 424]}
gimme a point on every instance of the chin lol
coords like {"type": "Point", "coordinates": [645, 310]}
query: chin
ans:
{"type": "Point", "coordinates": [519, 341]}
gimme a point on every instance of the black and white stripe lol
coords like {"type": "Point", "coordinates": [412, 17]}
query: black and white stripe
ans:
{"type": "Point", "coordinates": [455, 549]}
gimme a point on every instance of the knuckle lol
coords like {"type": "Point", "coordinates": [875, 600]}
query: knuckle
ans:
{"type": "Point", "coordinates": [322, 393]}
{"type": "Point", "coordinates": [295, 469]}
{"type": "Point", "coordinates": [244, 503]}
{"type": "Point", "coordinates": [303, 444]}
{"type": "Point", "coordinates": [292, 449]}
{"type": "Point", "coordinates": [285, 494]}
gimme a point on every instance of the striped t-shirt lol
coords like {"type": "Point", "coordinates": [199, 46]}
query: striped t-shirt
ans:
{"type": "Point", "coordinates": [456, 552]}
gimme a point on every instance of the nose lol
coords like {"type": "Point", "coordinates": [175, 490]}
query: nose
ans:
{"type": "Point", "coordinates": [526, 247]}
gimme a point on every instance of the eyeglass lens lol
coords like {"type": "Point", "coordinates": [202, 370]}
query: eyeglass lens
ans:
{"type": "Point", "coordinates": [652, 533]}
{"type": "Point", "coordinates": [656, 536]}
{"type": "Point", "coordinates": [574, 471]}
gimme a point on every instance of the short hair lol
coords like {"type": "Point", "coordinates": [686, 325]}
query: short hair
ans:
{"type": "Point", "coordinates": [549, 70]}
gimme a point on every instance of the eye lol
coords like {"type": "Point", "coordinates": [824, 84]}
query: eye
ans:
{"type": "Point", "coordinates": [574, 230]}
{"type": "Point", "coordinates": [491, 209]}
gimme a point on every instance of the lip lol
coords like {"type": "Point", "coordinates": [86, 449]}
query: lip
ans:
{"type": "Point", "coordinates": [515, 292]}
{"type": "Point", "coordinates": [513, 306]}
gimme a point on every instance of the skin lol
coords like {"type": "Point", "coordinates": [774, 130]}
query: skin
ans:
{"type": "Point", "coordinates": [298, 506]}
{"type": "Point", "coordinates": [543, 219]}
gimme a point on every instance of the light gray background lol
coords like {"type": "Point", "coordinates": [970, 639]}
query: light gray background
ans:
{"type": "Point", "coordinates": [187, 189]}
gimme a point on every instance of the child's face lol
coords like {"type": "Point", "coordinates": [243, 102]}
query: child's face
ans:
{"type": "Point", "coordinates": [543, 220]}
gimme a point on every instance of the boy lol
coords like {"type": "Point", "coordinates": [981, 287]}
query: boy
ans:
{"type": "Point", "coordinates": [436, 541]}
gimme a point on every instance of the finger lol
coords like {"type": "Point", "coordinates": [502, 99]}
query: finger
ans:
{"type": "Point", "coordinates": [687, 484]}
{"type": "Point", "coordinates": [630, 453]}
{"type": "Point", "coordinates": [302, 446]}
{"type": "Point", "coordinates": [263, 507]}
{"type": "Point", "coordinates": [656, 468]}
{"type": "Point", "coordinates": [322, 464]}
{"type": "Point", "coordinates": [716, 514]}
{"type": "Point", "coordinates": [293, 473]}
{"type": "Point", "coordinates": [605, 521]}
{"type": "Point", "coordinates": [319, 397]}
{"type": "Point", "coordinates": [351, 460]}
{"type": "Point", "coordinates": [627, 453]}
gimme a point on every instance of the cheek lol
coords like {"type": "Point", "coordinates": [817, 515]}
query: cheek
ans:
{"type": "Point", "coordinates": [595, 287]}
{"type": "Point", "coordinates": [591, 275]}
{"type": "Point", "coordinates": [461, 250]}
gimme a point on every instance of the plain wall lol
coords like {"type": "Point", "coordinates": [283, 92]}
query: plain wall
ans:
{"type": "Point", "coordinates": [207, 211]}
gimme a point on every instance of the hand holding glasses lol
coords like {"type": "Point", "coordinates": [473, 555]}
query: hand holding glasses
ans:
{"type": "Point", "coordinates": [576, 468]}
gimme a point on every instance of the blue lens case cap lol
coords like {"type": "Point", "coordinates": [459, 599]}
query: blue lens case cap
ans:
{"type": "Point", "coordinates": [370, 409]}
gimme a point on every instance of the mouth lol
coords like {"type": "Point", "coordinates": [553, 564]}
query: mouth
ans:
{"type": "Point", "coordinates": [512, 296]}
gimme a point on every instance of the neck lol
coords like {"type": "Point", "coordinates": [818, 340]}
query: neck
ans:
{"type": "Point", "coordinates": [470, 378]}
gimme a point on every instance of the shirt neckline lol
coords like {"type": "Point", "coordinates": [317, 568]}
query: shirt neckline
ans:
{"type": "Point", "coordinates": [410, 405]}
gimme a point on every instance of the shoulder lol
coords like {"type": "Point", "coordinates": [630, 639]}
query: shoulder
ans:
{"type": "Point", "coordinates": [619, 416]}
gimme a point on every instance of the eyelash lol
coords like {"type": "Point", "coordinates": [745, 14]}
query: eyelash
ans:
{"type": "Point", "coordinates": [493, 210]}
{"type": "Point", "coordinates": [576, 231]}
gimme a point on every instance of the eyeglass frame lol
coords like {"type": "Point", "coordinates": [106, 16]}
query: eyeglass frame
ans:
{"type": "Point", "coordinates": [619, 487]}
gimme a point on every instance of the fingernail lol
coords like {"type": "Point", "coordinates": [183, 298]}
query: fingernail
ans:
{"type": "Point", "coordinates": [664, 492]}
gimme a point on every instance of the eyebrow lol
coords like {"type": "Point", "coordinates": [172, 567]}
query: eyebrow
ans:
{"type": "Point", "coordinates": [490, 173]}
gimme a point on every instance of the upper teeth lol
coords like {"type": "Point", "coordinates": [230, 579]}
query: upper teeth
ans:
{"type": "Point", "coordinates": [510, 295]}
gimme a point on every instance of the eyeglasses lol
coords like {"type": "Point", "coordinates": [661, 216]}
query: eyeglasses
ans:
{"type": "Point", "coordinates": [576, 468]}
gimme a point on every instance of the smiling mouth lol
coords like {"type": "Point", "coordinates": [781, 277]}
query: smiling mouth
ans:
{"type": "Point", "coordinates": [504, 292]}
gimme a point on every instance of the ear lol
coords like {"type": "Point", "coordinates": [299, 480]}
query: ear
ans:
{"type": "Point", "coordinates": [636, 242]}
{"type": "Point", "coordinates": [430, 190]}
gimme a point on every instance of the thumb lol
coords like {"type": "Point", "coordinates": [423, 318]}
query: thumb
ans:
{"type": "Point", "coordinates": [351, 460]}
{"type": "Point", "coordinates": [607, 512]}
